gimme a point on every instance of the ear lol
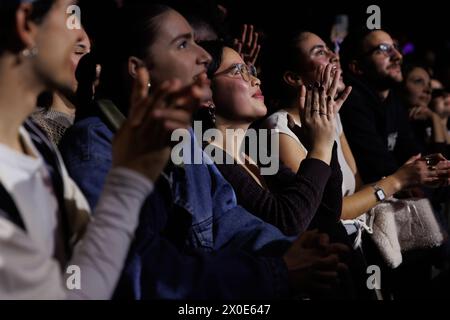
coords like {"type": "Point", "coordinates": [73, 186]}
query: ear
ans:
{"type": "Point", "coordinates": [25, 28]}
{"type": "Point", "coordinates": [292, 79]}
{"type": "Point", "coordinates": [134, 64]}
{"type": "Point", "coordinates": [355, 68]}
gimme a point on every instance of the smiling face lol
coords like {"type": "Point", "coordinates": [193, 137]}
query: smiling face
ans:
{"type": "Point", "coordinates": [174, 54]}
{"type": "Point", "coordinates": [53, 64]}
{"type": "Point", "coordinates": [382, 61]}
{"type": "Point", "coordinates": [82, 47]}
{"type": "Point", "coordinates": [418, 87]}
{"type": "Point", "coordinates": [235, 98]}
{"type": "Point", "coordinates": [313, 53]}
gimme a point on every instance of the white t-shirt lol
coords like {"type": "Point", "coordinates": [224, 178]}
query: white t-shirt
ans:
{"type": "Point", "coordinates": [279, 122]}
{"type": "Point", "coordinates": [27, 267]}
{"type": "Point", "coordinates": [29, 184]}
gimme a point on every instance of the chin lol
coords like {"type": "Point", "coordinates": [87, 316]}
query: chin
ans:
{"type": "Point", "coordinates": [396, 76]}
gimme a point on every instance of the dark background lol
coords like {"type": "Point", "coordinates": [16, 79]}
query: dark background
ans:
{"type": "Point", "coordinates": [425, 24]}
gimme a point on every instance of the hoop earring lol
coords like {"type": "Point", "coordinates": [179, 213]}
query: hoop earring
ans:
{"type": "Point", "coordinates": [30, 53]}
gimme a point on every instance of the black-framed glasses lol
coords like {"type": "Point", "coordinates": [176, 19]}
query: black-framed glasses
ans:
{"type": "Point", "coordinates": [386, 49]}
{"type": "Point", "coordinates": [247, 71]}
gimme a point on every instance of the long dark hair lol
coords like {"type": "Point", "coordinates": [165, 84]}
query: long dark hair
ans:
{"type": "Point", "coordinates": [280, 55]}
{"type": "Point", "coordinates": [215, 49]}
{"type": "Point", "coordinates": [137, 30]}
{"type": "Point", "coordinates": [8, 36]}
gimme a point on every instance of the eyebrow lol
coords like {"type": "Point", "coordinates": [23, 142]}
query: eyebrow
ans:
{"type": "Point", "coordinates": [187, 36]}
{"type": "Point", "coordinates": [321, 46]}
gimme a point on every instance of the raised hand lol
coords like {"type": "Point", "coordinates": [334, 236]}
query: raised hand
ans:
{"type": "Point", "coordinates": [420, 113]}
{"type": "Point", "coordinates": [317, 116]}
{"type": "Point", "coordinates": [328, 76]}
{"type": "Point", "coordinates": [143, 142]}
{"type": "Point", "coordinates": [247, 46]}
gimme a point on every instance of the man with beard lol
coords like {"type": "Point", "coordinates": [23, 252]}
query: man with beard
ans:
{"type": "Point", "coordinates": [376, 123]}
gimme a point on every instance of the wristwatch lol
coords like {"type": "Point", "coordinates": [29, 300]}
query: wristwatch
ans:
{"type": "Point", "coordinates": [379, 193]}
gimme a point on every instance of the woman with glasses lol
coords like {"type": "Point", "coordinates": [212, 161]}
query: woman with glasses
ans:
{"type": "Point", "coordinates": [308, 198]}
{"type": "Point", "coordinates": [287, 200]}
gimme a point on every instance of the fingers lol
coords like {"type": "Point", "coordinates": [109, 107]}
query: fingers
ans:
{"type": "Point", "coordinates": [239, 49]}
{"type": "Point", "coordinates": [244, 34]}
{"type": "Point", "coordinates": [254, 45]}
{"type": "Point", "coordinates": [321, 107]}
{"type": "Point", "coordinates": [173, 119]}
{"type": "Point", "coordinates": [414, 158]}
{"type": "Point", "coordinates": [324, 103]}
{"type": "Point", "coordinates": [440, 157]}
{"type": "Point", "coordinates": [327, 76]}
{"type": "Point", "coordinates": [256, 54]}
{"type": "Point", "coordinates": [308, 238]}
{"type": "Point", "coordinates": [308, 105]}
{"type": "Point", "coordinates": [247, 46]}
{"type": "Point", "coordinates": [340, 101]}
{"type": "Point", "coordinates": [318, 75]}
{"type": "Point", "coordinates": [335, 82]}
{"type": "Point", "coordinates": [249, 37]}
{"type": "Point", "coordinates": [339, 249]}
{"type": "Point", "coordinates": [302, 102]}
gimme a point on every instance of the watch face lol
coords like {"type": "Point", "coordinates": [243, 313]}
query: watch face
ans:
{"type": "Point", "coordinates": [380, 194]}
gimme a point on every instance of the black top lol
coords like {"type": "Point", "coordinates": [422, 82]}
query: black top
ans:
{"type": "Point", "coordinates": [378, 132]}
{"type": "Point", "coordinates": [293, 202]}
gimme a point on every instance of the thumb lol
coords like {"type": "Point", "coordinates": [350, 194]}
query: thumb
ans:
{"type": "Point", "coordinates": [414, 158]}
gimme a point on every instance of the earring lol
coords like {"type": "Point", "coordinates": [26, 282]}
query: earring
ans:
{"type": "Point", "coordinates": [30, 53]}
{"type": "Point", "coordinates": [149, 85]}
{"type": "Point", "coordinates": [212, 112]}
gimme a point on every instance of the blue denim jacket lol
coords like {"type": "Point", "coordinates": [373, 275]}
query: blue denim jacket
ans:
{"type": "Point", "coordinates": [193, 240]}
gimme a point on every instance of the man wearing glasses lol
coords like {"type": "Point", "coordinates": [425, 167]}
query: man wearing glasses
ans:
{"type": "Point", "coordinates": [375, 122]}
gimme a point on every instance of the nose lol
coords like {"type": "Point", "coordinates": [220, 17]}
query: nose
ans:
{"type": "Point", "coordinates": [255, 81]}
{"type": "Point", "coordinates": [203, 57]}
{"type": "Point", "coordinates": [396, 55]}
{"type": "Point", "coordinates": [334, 58]}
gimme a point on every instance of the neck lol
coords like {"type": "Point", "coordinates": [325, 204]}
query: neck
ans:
{"type": "Point", "coordinates": [232, 142]}
{"type": "Point", "coordinates": [63, 105]}
{"type": "Point", "coordinates": [381, 88]}
{"type": "Point", "coordinates": [18, 95]}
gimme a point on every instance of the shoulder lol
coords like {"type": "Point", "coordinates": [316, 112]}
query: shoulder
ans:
{"type": "Point", "coordinates": [277, 120]}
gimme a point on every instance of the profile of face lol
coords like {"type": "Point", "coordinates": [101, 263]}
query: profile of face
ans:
{"type": "Point", "coordinates": [313, 53]}
{"type": "Point", "coordinates": [382, 59]}
{"type": "Point", "coordinates": [236, 90]}
{"type": "Point", "coordinates": [82, 47]}
{"type": "Point", "coordinates": [174, 53]}
{"type": "Point", "coordinates": [418, 87]}
{"type": "Point", "coordinates": [54, 64]}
